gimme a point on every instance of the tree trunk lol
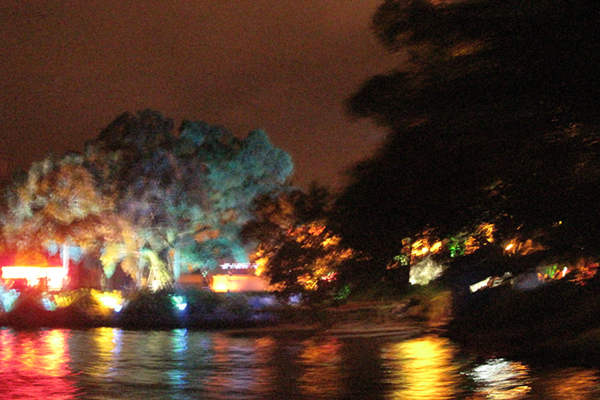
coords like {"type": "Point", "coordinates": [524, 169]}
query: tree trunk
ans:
{"type": "Point", "coordinates": [65, 260]}
{"type": "Point", "coordinates": [176, 265]}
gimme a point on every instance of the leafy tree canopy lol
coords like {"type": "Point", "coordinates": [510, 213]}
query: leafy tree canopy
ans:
{"type": "Point", "coordinates": [296, 250]}
{"type": "Point", "coordinates": [153, 197]}
{"type": "Point", "coordinates": [495, 118]}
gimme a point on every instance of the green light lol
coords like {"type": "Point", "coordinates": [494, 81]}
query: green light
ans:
{"type": "Point", "coordinates": [343, 293]}
{"type": "Point", "coordinates": [179, 302]}
{"type": "Point", "coordinates": [456, 247]}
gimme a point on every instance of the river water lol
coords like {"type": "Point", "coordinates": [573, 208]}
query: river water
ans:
{"type": "Point", "coordinates": [111, 363]}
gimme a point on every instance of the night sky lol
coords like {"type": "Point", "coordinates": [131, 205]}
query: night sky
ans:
{"type": "Point", "coordinates": [69, 68]}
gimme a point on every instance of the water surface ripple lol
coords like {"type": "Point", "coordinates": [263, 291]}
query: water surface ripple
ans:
{"type": "Point", "coordinates": [111, 363]}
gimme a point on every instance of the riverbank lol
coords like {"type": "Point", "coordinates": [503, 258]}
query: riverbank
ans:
{"type": "Point", "coordinates": [554, 323]}
{"type": "Point", "coordinates": [247, 313]}
{"type": "Point", "coordinates": [167, 309]}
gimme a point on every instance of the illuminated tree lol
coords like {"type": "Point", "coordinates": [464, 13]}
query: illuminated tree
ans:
{"type": "Point", "coordinates": [295, 248]}
{"type": "Point", "coordinates": [57, 202]}
{"type": "Point", "coordinates": [147, 200]}
{"type": "Point", "coordinates": [186, 196]}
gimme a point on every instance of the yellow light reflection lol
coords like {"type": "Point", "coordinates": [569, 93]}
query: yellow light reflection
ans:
{"type": "Point", "coordinates": [53, 360]}
{"type": "Point", "coordinates": [107, 341]}
{"type": "Point", "coordinates": [6, 344]}
{"type": "Point", "coordinates": [422, 368]}
{"type": "Point", "coordinates": [237, 354]}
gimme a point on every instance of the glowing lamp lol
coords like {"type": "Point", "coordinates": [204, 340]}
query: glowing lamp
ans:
{"type": "Point", "coordinates": [48, 304]}
{"type": "Point", "coordinates": [111, 300]}
{"type": "Point", "coordinates": [238, 283]}
{"type": "Point", "coordinates": [479, 285]}
{"type": "Point", "coordinates": [425, 271]}
{"type": "Point", "coordinates": [179, 302]}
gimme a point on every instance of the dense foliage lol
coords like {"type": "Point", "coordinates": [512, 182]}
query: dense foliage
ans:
{"type": "Point", "coordinates": [296, 249]}
{"type": "Point", "coordinates": [495, 119]}
{"type": "Point", "coordinates": [147, 199]}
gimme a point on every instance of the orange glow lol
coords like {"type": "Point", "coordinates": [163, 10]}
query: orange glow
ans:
{"type": "Point", "coordinates": [584, 270]}
{"type": "Point", "coordinates": [420, 248]}
{"type": "Point", "coordinates": [316, 230]}
{"type": "Point", "coordinates": [31, 257]}
{"type": "Point", "coordinates": [260, 265]}
{"type": "Point", "coordinates": [331, 241]}
{"type": "Point", "coordinates": [53, 275]}
{"type": "Point", "coordinates": [523, 248]}
{"type": "Point", "coordinates": [572, 384]}
{"type": "Point", "coordinates": [111, 300]}
{"type": "Point", "coordinates": [483, 233]}
{"type": "Point", "coordinates": [422, 368]}
{"type": "Point", "coordinates": [239, 283]}
{"type": "Point", "coordinates": [487, 231]}
{"type": "Point", "coordinates": [436, 247]}
{"type": "Point", "coordinates": [327, 354]}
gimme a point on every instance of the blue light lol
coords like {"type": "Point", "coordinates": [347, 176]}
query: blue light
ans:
{"type": "Point", "coordinates": [179, 302]}
{"type": "Point", "coordinates": [8, 298]}
{"type": "Point", "coordinates": [48, 304]}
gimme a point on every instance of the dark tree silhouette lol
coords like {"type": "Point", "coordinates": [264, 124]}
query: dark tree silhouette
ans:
{"type": "Point", "coordinates": [494, 119]}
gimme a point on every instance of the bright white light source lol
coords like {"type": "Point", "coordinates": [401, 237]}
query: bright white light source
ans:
{"type": "Point", "coordinates": [479, 285]}
{"type": "Point", "coordinates": [179, 302]}
{"type": "Point", "coordinates": [54, 275]}
{"type": "Point", "coordinates": [502, 379]}
{"type": "Point", "coordinates": [425, 271]}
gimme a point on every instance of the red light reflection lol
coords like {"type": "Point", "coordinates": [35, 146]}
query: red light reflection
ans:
{"type": "Point", "coordinates": [35, 365]}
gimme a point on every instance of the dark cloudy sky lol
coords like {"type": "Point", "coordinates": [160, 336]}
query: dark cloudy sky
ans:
{"type": "Point", "coordinates": [69, 68]}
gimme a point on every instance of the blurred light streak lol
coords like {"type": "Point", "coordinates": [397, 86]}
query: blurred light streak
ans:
{"type": "Point", "coordinates": [573, 384]}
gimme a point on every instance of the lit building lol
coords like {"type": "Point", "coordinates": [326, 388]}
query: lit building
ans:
{"type": "Point", "coordinates": [229, 277]}
{"type": "Point", "coordinates": [51, 277]}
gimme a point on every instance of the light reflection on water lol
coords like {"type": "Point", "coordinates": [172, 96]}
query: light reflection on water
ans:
{"type": "Point", "coordinates": [500, 379]}
{"type": "Point", "coordinates": [34, 364]}
{"type": "Point", "coordinates": [108, 363]}
{"type": "Point", "coordinates": [422, 368]}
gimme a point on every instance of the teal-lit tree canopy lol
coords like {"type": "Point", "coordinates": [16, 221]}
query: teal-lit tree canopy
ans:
{"type": "Point", "coordinates": [147, 198]}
